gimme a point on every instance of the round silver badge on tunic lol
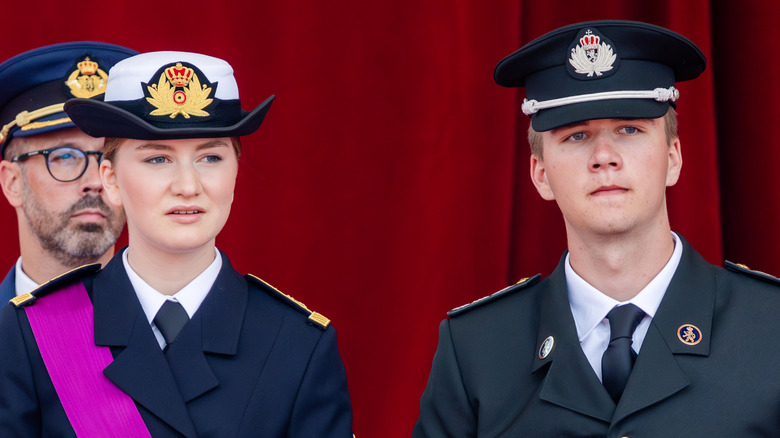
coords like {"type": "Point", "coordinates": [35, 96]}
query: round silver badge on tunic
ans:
{"type": "Point", "coordinates": [546, 348]}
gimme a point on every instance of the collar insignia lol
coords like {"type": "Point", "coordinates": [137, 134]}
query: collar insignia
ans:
{"type": "Point", "coordinates": [179, 91]}
{"type": "Point", "coordinates": [87, 80]}
{"type": "Point", "coordinates": [591, 56]}
{"type": "Point", "coordinates": [689, 334]}
{"type": "Point", "coordinates": [546, 347]}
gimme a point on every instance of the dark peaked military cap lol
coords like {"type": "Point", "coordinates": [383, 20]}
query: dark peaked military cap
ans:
{"type": "Point", "coordinates": [34, 85]}
{"type": "Point", "coordinates": [598, 70]}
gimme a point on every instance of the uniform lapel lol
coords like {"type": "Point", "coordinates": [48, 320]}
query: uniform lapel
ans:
{"type": "Point", "coordinates": [689, 300]}
{"type": "Point", "coordinates": [215, 328]}
{"type": "Point", "coordinates": [139, 367]}
{"type": "Point", "coordinates": [570, 381]}
{"type": "Point", "coordinates": [186, 361]}
{"type": "Point", "coordinates": [223, 317]}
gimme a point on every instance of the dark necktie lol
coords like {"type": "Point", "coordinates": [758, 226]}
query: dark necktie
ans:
{"type": "Point", "coordinates": [618, 359]}
{"type": "Point", "coordinates": [170, 319]}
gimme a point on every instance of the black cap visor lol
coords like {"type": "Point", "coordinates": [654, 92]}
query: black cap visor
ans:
{"type": "Point", "coordinates": [101, 119]}
{"type": "Point", "coordinates": [552, 118]}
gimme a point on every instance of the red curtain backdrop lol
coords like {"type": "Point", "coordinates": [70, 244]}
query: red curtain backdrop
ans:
{"type": "Point", "coordinates": [389, 182]}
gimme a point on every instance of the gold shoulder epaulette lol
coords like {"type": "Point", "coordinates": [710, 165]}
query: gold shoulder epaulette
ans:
{"type": "Point", "coordinates": [23, 300]}
{"type": "Point", "coordinates": [525, 282]}
{"type": "Point", "coordinates": [315, 319]}
{"type": "Point", "coordinates": [742, 269]}
{"type": "Point", "coordinates": [55, 283]}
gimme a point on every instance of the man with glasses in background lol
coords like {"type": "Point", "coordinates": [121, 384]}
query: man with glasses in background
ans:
{"type": "Point", "coordinates": [46, 172]}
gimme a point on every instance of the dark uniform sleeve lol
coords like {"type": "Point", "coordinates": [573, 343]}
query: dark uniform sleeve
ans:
{"type": "Point", "coordinates": [20, 414]}
{"type": "Point", "coordinates": [322, 407]}
{"type": "Point", "coordinates": [445, 410]}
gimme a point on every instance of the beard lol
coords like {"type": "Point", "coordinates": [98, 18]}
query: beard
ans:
{"type": "Point", "coordinates": [73, 244]}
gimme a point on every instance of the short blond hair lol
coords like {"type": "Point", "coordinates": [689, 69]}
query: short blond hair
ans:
{"type": "Point", "coordinates": [670, 129]}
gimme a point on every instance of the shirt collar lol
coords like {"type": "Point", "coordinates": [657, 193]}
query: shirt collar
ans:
{"type": "Point", "coordinates": [23, 283]}
{"type": "Point", "coordinates": [589, 306]}
{"type": "Point", "coordinates": [190, 296]}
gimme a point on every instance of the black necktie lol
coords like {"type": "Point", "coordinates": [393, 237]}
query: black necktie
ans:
{"type": "Point", "coordinates": [170, 319]}
{"type": "Point", "coordinates": [618, 359]}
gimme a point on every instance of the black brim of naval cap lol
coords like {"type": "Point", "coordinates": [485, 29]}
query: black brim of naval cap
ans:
{"type": "Point", "coordinates": [104, 119]}
{"type": "Point", "coordinates": [649, 57]}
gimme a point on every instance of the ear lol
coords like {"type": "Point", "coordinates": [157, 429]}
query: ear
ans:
{"type": "Point", "coordinates": [110, 183]}
{"type": "Point", "coordinates": [539, 178]}
{"type": "Point", "coordinates": [11, 180]}
{"type": "Point", "coordinates": [675, 163]}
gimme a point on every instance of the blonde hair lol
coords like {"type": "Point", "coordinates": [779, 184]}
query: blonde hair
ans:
{"type": "Point", "coordinates": [670, 128]}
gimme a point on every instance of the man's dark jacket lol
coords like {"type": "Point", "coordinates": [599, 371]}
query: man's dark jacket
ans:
{"type": "Point", "coordinates": [490, 380]}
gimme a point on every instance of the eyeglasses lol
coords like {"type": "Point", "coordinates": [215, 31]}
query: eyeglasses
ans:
{"type": "Point", "coordinates": [64, 163]}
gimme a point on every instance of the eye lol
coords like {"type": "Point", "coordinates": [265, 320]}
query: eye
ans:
{"type": "Point", "coordinates": [64, 156]}
{"type": "Point", "coordinates": [577, 136]}
{"type": "Point", "coordinates": [212, 158]}
{"type": "Point", "coordinates": [157, 160]}
{"type": "Point", "coordinates": [630, 130]}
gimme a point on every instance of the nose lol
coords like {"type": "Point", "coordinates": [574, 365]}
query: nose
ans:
{"type": "Point", "coordinates": [90, 180]}
{"type": "Point", "coordinates": [605, 154]}
{"type": "Point", "coordinates": [186, 182]}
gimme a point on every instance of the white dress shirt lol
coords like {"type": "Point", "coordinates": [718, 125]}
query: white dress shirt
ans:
{"type": "Point", "coordinates": [590, 307]}
{"type": "Point", "coordinates": [23, 283]}
{"type": "Point", "coordinates": [190, 296]}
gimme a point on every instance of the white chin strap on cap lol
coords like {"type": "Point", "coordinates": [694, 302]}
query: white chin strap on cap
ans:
{"type": "Point", "coordinates": [660, 94]}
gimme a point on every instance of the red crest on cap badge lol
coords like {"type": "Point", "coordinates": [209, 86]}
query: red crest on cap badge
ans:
{"type": "Point", "coordinates": [592, 55]}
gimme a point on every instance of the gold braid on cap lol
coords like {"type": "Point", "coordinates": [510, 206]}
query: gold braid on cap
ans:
{"type": "Point", "coordinates": [24, 119]}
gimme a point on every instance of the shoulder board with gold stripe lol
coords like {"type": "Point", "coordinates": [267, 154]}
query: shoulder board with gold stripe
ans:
{"type": "Point", "coordinates": [742, 269]}
{"type": "Point", "coordinates": [55, 283]}
{"type": "Point", "coordinates": [525, 282]}
{"type": "Point", "coordinates": [315, 318]}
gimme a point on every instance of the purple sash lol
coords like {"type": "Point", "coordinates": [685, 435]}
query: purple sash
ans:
{"type": "Point", "coordinates": [64, 328]}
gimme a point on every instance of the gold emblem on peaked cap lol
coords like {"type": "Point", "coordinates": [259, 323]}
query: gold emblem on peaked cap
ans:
{"type": "Point", "coordinates": [179, 91]}
{"type": "Point", "coordinates": [88, 80]}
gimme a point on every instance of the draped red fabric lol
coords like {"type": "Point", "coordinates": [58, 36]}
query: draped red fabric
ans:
{"type": "Point", "coordinates": [389, 182]}
{"type": "Point", "coordinates": [747, 66]}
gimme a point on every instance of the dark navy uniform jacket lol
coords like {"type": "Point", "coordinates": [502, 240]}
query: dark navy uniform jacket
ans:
{"type": "Point", "coordinates": [8, 286]}
{"type": "Point", "coordinates": [248, 364]}
{"type": "Point", "coordinates": [490, 380]}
